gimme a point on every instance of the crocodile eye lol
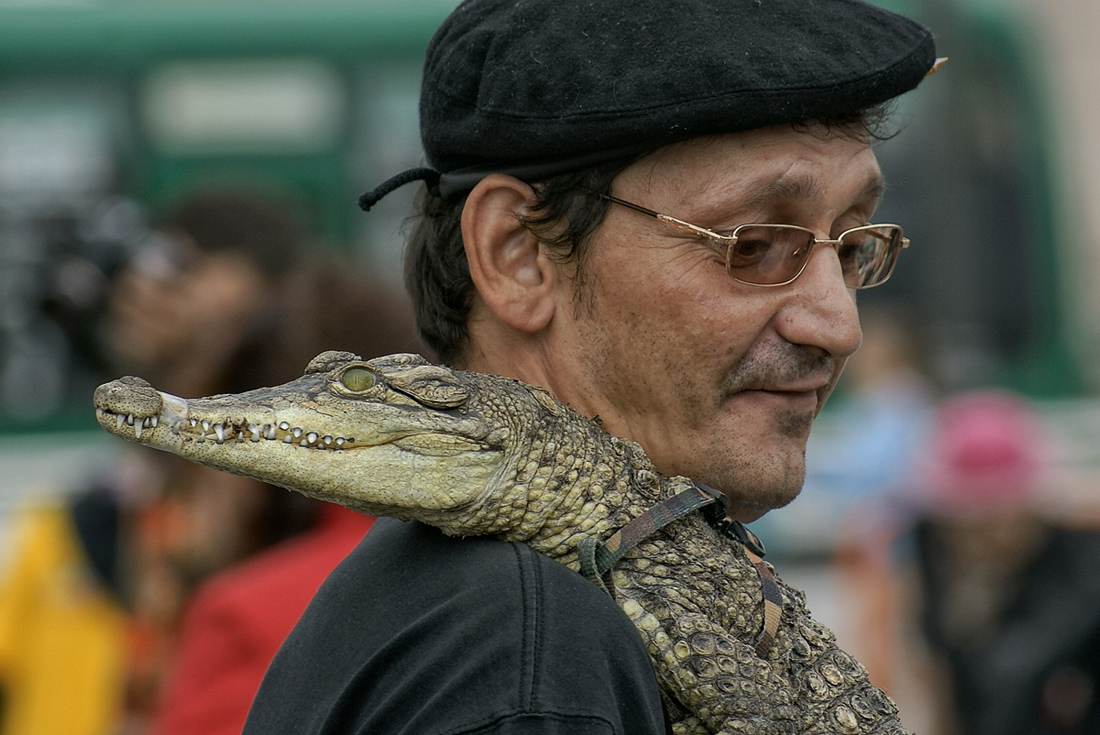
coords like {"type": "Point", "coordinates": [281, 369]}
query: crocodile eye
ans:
{"type": "Point", "coordinates": [358, 379]}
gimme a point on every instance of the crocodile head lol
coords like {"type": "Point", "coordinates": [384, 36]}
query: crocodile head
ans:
{"type": "Point", "coordinates": [393, 436]}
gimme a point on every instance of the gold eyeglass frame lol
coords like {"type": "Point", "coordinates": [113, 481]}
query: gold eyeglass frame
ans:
{"type": "Point", "coordinates": [731, 239]}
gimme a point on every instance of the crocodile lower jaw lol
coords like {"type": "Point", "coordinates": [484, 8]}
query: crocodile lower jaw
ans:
{"type": "Point", "coordinates": [204, 430]}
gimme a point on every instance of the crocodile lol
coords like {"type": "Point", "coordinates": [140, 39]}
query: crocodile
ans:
{"type": "Point", "coordinates": [478, 454]}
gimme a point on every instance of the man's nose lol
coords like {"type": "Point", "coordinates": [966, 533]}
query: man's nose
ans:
{"type": "Point", "coordinates": [821, 310]}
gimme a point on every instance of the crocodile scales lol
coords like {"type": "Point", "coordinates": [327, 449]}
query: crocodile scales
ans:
{"type": "Point", "coordinates": [476, 454]}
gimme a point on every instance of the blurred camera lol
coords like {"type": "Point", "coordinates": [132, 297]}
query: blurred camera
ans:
{"type": "Point", "coordinates": [84, 252]}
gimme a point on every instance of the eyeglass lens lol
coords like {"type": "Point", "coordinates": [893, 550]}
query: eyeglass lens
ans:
{"type": "Point", "coordinates": [773, 254]}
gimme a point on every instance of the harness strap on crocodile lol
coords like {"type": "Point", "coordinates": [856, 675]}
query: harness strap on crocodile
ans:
{"type": "Point", "coordinates": [598, 557]}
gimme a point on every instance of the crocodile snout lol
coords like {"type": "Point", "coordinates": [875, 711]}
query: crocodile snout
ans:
{"type": "Point", "coordinates": [128, 396]}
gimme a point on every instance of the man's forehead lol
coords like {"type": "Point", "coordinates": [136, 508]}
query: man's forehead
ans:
{"type": "Point", "coordinates": [761, 167]}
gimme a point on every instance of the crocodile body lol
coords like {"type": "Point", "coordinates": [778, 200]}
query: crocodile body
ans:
{"type": "Point", "coordinates": [476, 454]}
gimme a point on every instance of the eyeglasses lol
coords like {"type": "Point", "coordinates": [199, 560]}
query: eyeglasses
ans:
{"type": "Point", "coordinates": [775, 255]}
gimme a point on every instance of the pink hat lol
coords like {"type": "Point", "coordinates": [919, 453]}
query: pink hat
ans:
{"type": "Point", "coordinates": [986, 449]}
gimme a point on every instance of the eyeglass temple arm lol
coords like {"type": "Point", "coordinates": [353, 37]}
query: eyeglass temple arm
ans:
{"type": "Point", "coordinates": [631, 205]}
{"type": "Point", "coordinates": [667, 219]}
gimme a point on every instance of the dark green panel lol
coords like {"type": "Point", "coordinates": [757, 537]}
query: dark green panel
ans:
{"type": "Point", "coordinates": [131, 35]}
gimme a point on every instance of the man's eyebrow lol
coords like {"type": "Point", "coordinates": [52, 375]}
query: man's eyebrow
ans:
{"type": "Point", "coordinates": [873, 189]}
{"type": "Point", "coordinates": [806, 188]}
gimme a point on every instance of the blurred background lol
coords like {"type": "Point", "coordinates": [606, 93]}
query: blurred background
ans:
{"type": "Point", "coordinates": [115, 116]}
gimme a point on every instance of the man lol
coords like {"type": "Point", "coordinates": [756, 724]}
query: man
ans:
{"type": "Point", "coordinates": [588, 226]}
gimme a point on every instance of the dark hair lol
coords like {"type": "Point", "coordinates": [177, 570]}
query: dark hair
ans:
{"type": "Point", "coordinates": [230, 221]}
{"type": "Point", "coordinates": [566, 212]}
{"type": "Point", "coordinates": [437, 274]}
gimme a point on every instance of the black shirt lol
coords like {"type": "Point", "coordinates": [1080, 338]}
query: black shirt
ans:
{"type": "Point", "coordinates": [416, 632]}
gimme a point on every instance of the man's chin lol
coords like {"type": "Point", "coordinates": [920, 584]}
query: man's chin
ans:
{"type": "Point", "coordinates": [749, 511]}
{"type": "Point", "coordinates": [758, 490]}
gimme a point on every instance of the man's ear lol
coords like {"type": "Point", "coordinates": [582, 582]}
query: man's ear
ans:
{"type": "Point", "coordinates": [507, 265]}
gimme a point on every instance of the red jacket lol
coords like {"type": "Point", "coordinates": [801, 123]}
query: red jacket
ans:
{"type": "Point", "coordinates": [238, 619]}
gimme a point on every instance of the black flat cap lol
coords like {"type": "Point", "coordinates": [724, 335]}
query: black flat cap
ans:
{"type": "Point", "coordinates": [539, 87]}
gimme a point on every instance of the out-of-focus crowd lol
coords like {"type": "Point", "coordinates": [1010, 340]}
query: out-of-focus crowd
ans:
{"type": "Point", "coordinates": [963, 557]}
{"type": "Point", "coordinates": [151, 598]}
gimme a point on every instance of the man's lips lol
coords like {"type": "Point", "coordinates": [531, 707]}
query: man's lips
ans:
{"type": "Point", "coordinates": [810, 392]}
{"type": "Point", "coordinates": [808, 388]}
{"type": "Point", "coordinates": [809, 385]}
{"type": "Point", "coordinates": [784, 393]}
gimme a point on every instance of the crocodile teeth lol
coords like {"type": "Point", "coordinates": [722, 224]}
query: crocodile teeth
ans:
{"type": "Point", "coordinates": [216, 432]}
{"type": "Point", "coordinates": [149, 422]}
{"type": "Point", "coordinates": [120, 420]}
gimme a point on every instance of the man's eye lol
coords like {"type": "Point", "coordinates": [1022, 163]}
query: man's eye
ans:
{"type": "Point", "coordinates": [747, 251]}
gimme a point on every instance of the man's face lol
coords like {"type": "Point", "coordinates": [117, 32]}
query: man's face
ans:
{"type": "Point", "coordinates": [717, 380]}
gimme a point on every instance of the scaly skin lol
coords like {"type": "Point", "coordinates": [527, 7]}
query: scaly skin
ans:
{"type": "Point", "coordinates": [476, 454]}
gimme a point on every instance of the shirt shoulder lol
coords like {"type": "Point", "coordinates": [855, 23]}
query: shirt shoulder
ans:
{"type": "Point", "coordinates": [418, 632]}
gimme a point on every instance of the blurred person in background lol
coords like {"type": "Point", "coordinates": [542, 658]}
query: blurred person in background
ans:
{"type": "Point", "coordinates": [1011, 595]}
{"type": "Point", "coordinates": [237, 619]}
{"type": "Point", "coordinates": [879, 424]}
{"type": "Point", "coordinates": [863, 450]}
{"type": "Point", "coordinates": [92, 593]}
{"type": "Point", "coordinates": [178, 314]}
{"type": "Point", "coordinates": [884, 411]}
{"type": "Point", "coordinates": [89, 592]}
{"type": "Point", "coordinates": [323, 303]}
{"type": "Point", "coordinates": [216, 264]}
